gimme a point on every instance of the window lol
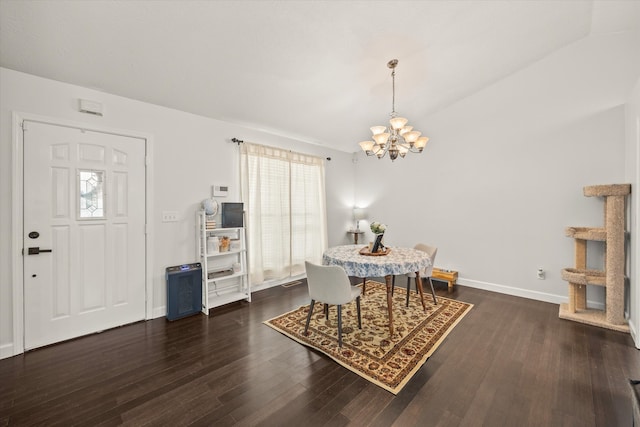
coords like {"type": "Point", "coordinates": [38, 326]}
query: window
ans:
{"type": "Point", "coordinates": [91, 192]}
{"type": "Point", "coordinates": [284, 197]}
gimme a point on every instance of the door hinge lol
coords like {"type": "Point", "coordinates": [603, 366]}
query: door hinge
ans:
{"type": "Point", "coordinates": [23, 125]}
{"type": "Point", "coordinates": [147, 160]}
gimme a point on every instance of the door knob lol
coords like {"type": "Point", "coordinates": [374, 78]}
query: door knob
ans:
{"type": "Point", "coordinates": [37, 250]}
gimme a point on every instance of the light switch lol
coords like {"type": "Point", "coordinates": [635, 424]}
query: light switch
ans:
{"type": "Point", "coordinates": [169, 216]}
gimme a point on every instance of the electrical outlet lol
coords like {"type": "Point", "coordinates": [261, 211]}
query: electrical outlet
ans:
{"type": "Point", "coordinates": [540, 274]}
{"type": "Point", "coordinates": [169, 216]}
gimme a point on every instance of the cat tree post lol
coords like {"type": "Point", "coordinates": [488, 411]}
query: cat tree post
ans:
{"type": "Point", "coordinates": [580, 261]}
{"type": "Point", "coordinates": [612, 277]}
{"type": "Point", "coordinates": [614, 260]}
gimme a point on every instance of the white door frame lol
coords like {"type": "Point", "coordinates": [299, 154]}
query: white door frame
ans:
{"type": "Point", "coordinates": [17, 203]}
{"type": "Point", "coordinates": [634, 277]}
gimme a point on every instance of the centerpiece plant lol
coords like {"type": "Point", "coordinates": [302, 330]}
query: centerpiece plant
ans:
{"type": "Point", "coordinates": [378, 227]}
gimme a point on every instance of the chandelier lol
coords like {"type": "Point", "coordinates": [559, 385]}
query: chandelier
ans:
{"type": "Point", "coordinates": [397, 140]}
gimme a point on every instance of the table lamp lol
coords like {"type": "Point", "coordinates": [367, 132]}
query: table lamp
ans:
{"type": "Point", "coordinates": [358, 214]}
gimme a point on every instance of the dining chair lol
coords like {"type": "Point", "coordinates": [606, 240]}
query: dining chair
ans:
{"type": "Point", "coordinates": [330, 284]}
{"type": "Point", "coordinates": [424, 273]}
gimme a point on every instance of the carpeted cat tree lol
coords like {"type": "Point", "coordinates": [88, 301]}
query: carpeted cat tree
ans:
{"type": "Point", "coordinates": [612, 278]}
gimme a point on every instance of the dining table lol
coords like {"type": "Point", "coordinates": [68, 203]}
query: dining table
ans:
{"type": "Point", "coordinates": [357, 261]}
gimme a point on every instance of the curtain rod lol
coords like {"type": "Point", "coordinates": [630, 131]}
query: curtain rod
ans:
{"type": "Point", "coordinates": [240, 141]}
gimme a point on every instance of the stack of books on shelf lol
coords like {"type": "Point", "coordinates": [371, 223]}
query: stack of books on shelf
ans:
{"type": "Point", "coordinates": [210, 223]}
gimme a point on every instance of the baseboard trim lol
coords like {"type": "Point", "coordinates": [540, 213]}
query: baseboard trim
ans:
{"type": "Point", "coordinates": [6, 351]}
{"type": "Point", "coordinates": [478, 284]}
{"type": "Point", "coordinates": [159, 312]}
{"type": "Point", "coordinates": [162, 310]}
{"type": "Point", "coordinates": [523, 293]}
{"type": "Point", "coordinates": [634, 333]}
{"type": "Point", "coordinates": [272, 283]}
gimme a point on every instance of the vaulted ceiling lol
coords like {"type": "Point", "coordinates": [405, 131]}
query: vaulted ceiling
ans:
{"type": "Point", "coordinates": [311, 70]}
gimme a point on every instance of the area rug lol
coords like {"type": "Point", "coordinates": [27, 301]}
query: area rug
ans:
{"type": "Point", "coordinates": [387, 361]}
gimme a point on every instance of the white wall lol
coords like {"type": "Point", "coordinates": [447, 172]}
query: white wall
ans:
{"type": "Point", "coordinates": [190, 153]}
{"type": "Point", "coordinates": [632, 175]}
{"type": "Point", "coordinates": [503, 173]}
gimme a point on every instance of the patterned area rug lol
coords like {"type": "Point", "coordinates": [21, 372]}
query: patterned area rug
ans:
{"type": "Point", "coordinates": [388, 362]}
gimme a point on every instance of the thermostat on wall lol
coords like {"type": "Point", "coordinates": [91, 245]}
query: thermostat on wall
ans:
{"type": "Point", "coordinates": [220, 190]}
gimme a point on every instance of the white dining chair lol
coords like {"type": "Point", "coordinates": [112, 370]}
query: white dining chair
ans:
{"type": "Point", "coordinates": [425, 273]}
{"type": "Point", "coordinates": [330, 284]}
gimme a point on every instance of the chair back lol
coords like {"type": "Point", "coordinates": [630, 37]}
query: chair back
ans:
{"type": "Point", "coordinates": [431, 251]}
{"type": "Point", "coordinates": [328, 283]}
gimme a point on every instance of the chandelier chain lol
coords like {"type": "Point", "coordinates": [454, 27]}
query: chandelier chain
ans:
{"type": "Point", "coordinates": [393, 97]}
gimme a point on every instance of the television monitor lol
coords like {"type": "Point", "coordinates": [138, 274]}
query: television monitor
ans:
{"type": "Point", "coordinates": [232, 215]}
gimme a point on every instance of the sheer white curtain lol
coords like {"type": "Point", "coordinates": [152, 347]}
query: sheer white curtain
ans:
{"type": "Point", "coordinates": [284, 197]}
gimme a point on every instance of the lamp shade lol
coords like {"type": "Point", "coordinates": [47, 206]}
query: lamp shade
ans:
{"type": "Point", "coordinates": [405, 130]}
{"type": "Point", "coordinates": [359, 214]}
{"type": "Point", "coordinates": [398, 122]}
{"type": "Point", "coordinates": [421, 142]}
{"type": "Point", "coordinates": [381, 138]}
{"type": "Point", "coordinates": [367, 145]}
{"type": "Point", "coordinates": [378, 129]}
{"type": "Point", "coordinates": [411, 136]}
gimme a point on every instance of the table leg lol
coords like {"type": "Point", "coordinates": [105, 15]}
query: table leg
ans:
{"type": "Point", "coordinates": [387, 280]}
{"type": "Point", "coordinates": [355, 238]}
{"type": "Point", "coordinates": [420, 290]}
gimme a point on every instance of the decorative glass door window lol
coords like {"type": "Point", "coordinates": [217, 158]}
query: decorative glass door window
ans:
{"type": "Point", "coordinates": [91, 194]}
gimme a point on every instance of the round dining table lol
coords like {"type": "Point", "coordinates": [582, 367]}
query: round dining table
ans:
{"type": "Point", "coordinates": [397, 261]}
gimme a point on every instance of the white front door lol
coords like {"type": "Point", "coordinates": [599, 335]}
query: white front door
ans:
{"type": "Point", "coordinates": [84, 232]}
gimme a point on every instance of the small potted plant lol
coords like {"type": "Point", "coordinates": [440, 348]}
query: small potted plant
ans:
{"type": "Point", "coordinates": [378, 227]}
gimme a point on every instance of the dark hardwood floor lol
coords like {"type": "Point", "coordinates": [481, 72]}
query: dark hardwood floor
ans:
{"type": "Point", "coordinates": [510, 362]}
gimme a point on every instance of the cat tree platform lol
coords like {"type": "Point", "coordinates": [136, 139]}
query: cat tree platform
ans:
{"type": "Point", "coordinates": [586, 233]}
{"type": "Point", "coordinates": [591, 316]}
{"type": "Point", "coordinates": [612, 278]}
